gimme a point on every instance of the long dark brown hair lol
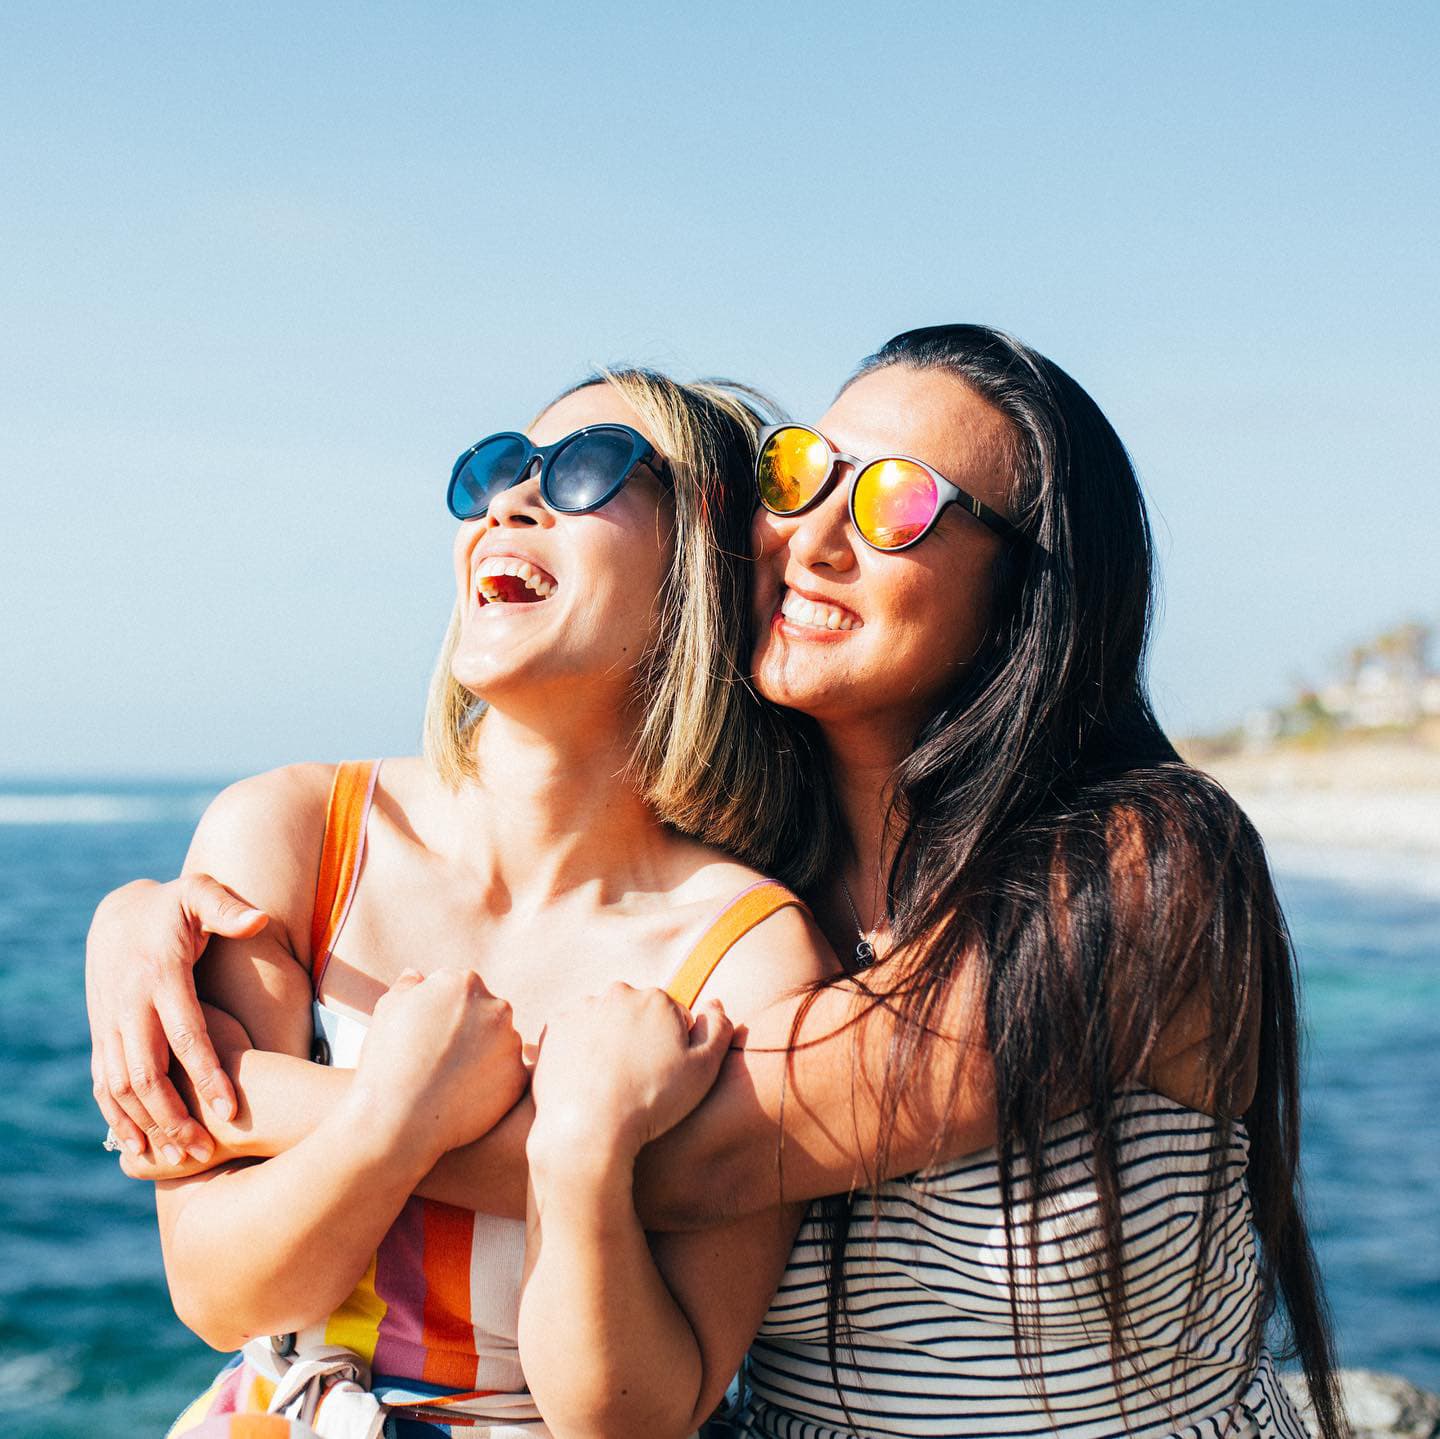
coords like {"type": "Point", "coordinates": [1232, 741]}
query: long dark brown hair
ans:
{"type": "Point", "coordinates": [1057, 851]}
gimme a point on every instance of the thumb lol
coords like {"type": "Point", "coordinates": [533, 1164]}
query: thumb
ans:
{"type": "Point", "coordinates": [218, 911]}
{"type": "Point", "coordinates": [710, 1032]}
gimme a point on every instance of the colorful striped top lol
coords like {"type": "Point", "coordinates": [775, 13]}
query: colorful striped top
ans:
{"type": "Point", "coordinates": [439, 1302]}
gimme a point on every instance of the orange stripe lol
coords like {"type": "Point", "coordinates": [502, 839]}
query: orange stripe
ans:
{"type": "Point", "coordinates": [258, 1426]}
{"type": "Point", "coordinates": [441, 1401]}
{"type": "Point", "coordinates": [446, 1331]}
{"type": "Point", "coordinates": [737, 919]}
{"type": "Point", "coordinates": [340, 852]}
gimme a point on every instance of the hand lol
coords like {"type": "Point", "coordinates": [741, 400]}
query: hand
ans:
{"type": "Point", "coordinates": [621, 1068]}
{"type": "Point", "coordinates": [140, 992]}
{"type": "Point", "coordinates": [441, 1054]}
{"type": "Point", "coordinates": [231, 1041]}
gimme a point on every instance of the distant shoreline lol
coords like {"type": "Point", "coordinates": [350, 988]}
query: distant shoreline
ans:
{"type": "Point", "coordinates": [1381, 796]}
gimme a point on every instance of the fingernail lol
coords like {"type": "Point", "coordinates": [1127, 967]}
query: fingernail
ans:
{"type": "Point", "coordinates": [221, 1107]}
{"type": "Point", "coordinates": [135, 1147]}
{"type": "Point", "coordinates": [172, 1154]}
{"type": "Point", "coordinates": [199, 1152]}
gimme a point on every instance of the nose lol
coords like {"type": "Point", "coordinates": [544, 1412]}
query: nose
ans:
{"type": "Point", "coordinates": [821, 538]}
{"type": "Point", "coordinates": [520, 506]}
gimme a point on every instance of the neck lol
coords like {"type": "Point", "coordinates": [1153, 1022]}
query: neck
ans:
{"type": "Point", "coordinates": [552, 812]}
{"type": "Point", "coordinates": [863, 761]}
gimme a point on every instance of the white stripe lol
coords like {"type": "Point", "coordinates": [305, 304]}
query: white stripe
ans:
{"type": "Point", "coordinates": [932, 1349]}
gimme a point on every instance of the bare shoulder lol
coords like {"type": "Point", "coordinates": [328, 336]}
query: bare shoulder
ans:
{"type": "Point", "coordinates": [261, 838]}
{"type": "Point", "coordinates": [702, 873]}
{"type": "Point", "coordinates": [408, 779]}
{"type": "Point", "coordinates": [783, 953]}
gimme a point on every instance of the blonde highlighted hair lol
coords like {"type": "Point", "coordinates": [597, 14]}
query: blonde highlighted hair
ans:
{"type": "Point", "coordinates": [712, 758]}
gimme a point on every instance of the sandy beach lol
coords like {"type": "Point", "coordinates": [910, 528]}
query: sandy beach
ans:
{"type": "Point", "coordinates": [1382, 797]}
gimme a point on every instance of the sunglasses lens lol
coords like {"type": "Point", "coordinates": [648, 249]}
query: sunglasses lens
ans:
{"type": "Point", "coordinates": [791, 468]}
{"type": "Point", "coordinates": [893, 502]}
{"type": "Point", "coordinates": [495, 465]}
{"type": "Point", "coordinates": [588, 470]}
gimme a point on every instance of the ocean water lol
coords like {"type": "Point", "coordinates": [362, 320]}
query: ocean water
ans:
{"type": "Point", "coordinates": [88, 1342]}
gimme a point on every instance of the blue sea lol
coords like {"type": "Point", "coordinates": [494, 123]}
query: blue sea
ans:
{"type": "Point", "coordinates": [88, 1342]}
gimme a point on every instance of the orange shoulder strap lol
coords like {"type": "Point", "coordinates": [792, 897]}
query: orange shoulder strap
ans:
{"type": "Point", "coordinates": [738, 918]}
{"type": "Point", "coordinates": [341, 851]}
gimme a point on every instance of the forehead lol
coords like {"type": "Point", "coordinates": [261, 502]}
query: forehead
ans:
{"type": "Point", "coordinates": [931, 416]}
{"type": "Point", "coordinates": [599, 404]}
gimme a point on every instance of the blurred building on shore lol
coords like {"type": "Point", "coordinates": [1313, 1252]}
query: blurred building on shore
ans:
{"type": "Point", "coordinates": [1386, 687]}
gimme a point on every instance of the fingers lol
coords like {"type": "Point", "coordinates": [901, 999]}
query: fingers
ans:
{"type": "Point", "coordinates": [710, 1031]}
{"type": "Point", "coordinates": [136, 1119]}
{"type": "Point", "coordinates": [407, 979]}
{"type": "Point", "coordinates": [150, 1166]}
{"type": "Point", "coordinates": [218, 911]}
{"type": "Point", "coordinates": [131, 1135]}
{"type": "Point", "coordinates": [153, 1100]}
{"type": "Point", "coordinates": [183, 1021]}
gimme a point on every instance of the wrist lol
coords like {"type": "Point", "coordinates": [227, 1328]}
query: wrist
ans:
{"type": "Point", "coordinates": [564, 1153]}
{"type": "Point", "coordinates": [393, 1134]}
{"type": "Point", "coordinates": [580, 1122]}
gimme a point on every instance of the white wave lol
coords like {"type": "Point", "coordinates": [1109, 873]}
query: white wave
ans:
{"type": "Point", "coordinates": [30, 1381]}
{"type": "Point", "coordinates": [99, 807]}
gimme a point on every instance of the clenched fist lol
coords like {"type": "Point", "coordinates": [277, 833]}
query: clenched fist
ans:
{"type": "Point", "coordinates": [442, 1056]}
{"type": "Point", "coordinates": [621, 1068]}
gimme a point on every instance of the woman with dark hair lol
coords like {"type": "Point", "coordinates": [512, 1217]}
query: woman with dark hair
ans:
{"type": "Point", "coordinates": [1063, 1098]}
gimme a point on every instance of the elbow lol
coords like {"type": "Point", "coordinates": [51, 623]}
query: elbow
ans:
{"type": "Point", "coordinates": [227, 1315]}
{"type": "Point", "coordinates": [213, 1323]}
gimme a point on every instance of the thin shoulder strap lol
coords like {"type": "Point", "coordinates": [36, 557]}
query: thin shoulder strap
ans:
{"type": "Point", "coordinates": [738, 918]}
{"type": "Point", "coordinates": [341, 853]}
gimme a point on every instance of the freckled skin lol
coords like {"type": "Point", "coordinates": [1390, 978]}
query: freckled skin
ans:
{"type": "Point", "coordinates": [925, 610]}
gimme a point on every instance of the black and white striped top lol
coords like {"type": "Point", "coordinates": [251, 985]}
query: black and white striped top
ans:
{"type": "Point", "coordinates": [934, 1351]}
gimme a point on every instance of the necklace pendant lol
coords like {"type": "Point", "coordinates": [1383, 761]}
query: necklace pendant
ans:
{"type": "Point", "coordinates": [864, 954]}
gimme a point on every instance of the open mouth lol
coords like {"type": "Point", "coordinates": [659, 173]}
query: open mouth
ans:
{"type": "Point", "coordinates": [504, 580]}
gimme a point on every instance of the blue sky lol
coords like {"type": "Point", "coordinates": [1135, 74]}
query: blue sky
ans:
{"type": "Point", "coordinates": [268, 268]}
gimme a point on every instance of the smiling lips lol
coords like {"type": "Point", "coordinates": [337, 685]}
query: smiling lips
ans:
{"type": "Point", "coordinates": [815, 615]}
{"type": "Point", "coordinates": [506, 580]}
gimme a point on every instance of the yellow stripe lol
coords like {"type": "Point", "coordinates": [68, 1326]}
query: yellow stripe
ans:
{"type": "Point", "coordinates": [356, 1323]}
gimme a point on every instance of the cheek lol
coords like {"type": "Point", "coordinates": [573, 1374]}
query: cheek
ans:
{"type": "Point", "coordinates": [768, 534]}
{"type": "Point", "coordinates": [460, 550]}
{"type": "Point", "coordinates": [625, 608]}
{"type": "Point", "coordinates": [769, 549]}
{"type": "Point", "coordinates": [944, 623]}
{"type": "Point", "coordinates": [926, 623]}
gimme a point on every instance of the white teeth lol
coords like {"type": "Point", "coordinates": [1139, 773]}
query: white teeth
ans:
{"type": "Point", "coordinates": [495, 566]}
{"type": "Point", "coordinates": [816, 616]}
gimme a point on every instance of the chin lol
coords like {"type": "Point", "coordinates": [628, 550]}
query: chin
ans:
{"type": "Point", "coordinates": [782, 685]}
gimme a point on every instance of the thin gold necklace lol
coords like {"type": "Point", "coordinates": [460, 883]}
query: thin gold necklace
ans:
{"type": "Point", "coordinates": [865, 950]}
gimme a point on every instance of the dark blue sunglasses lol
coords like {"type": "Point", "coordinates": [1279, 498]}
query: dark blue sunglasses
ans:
{"type": "Point", "coordinates": [578, 474]}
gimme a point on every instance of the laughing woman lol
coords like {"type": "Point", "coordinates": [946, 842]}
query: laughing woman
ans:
{"type": "Point", "coordinates": [535, 857]}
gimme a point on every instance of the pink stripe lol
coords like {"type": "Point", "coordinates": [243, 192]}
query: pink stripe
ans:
{"type": "Point", "coordinates": [400, 1282]}
{"type": "Point", "coordinates": [354, 878]}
